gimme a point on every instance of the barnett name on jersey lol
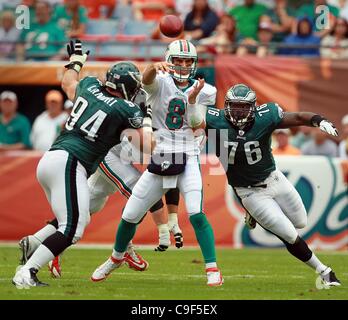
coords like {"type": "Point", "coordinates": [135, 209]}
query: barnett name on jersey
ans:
{"type": "Point", "coordinates": [248, 154]}
{"type": "Point", "coordinates": [169, 105]}
{"type": "Point", "coordinates": [96, 123]}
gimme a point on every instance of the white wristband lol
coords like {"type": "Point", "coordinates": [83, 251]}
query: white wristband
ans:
{"type": "Point", "coordinates": [194, 115]}
{"type": "Point", "coordinates": [147, 124]}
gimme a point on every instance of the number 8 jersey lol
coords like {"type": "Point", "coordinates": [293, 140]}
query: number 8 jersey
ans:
{"type": "Point", "coordinates": [96, 123]}
{"type": "Point", "coordinates": [169, 105]}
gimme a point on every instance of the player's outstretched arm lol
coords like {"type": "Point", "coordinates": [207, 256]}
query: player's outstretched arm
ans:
{"type": "Point", "coordinates": [76, 61]}
{"type": "Point", "coordinates": [310, 119]}
{"type": "Point", "coordinates": [152, 69]}
{"type": "Point", "coordinates": [195, 111]}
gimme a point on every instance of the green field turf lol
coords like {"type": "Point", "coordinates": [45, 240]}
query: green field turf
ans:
{"type": "Point", "coordinates": [179, 274]}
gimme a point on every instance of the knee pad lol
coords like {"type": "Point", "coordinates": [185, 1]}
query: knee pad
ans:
{"type": "Point", "coordinates": [173, 196]}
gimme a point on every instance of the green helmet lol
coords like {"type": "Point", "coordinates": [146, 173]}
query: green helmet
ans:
{"type": "Point", "coordinates": [125, 78]}
{"type": "Point", "coordinates": [240, 101]}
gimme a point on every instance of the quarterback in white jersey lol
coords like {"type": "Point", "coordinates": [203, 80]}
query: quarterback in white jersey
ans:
{"type": "Point", "coordinates": [179, 105]}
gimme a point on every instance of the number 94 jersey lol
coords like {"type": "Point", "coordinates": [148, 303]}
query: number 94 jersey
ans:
{"type": "Point", "coordinates": [169, 105]}
{"type": "Point", "coordinates": [247, 155]}
{"type": "Point", "coordinates": [96, 123]}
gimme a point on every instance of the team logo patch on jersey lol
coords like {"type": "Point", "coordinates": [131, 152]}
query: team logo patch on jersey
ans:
{"type": "Point", "coordinates": [136, 122]}
{"type": "Point", "coordinates": [165, 165]}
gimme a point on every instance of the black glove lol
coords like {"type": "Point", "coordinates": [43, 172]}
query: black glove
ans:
{"type": "Point", "coordinates": [76, 57]}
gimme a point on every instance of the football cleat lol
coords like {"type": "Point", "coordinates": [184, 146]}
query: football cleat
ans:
{"type": "Point", "coordinates": [26, 278]}
{"type": "Point", "coordinates": [24, 246]}
{"type": "Point", "coordinates": [134, 260]}
{"type": "Point", "coordinates": [250, 222]}
{"type": "Point", "coordinates": [55, 268]}
{"type": "Point", "coordinates": [177, 233]}
{"type": "Point", "coordinates": [163, 240]}
{"type": "Point", "coordinates": [103, 271]}
{"type": "Point", "coordinates": [214, 277]}
{"type": "Point", "coordinates": [328, 278]}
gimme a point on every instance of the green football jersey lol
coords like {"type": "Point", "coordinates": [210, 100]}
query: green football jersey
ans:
{"type": "Point", "coordinates": [247, 155]}
{"type": "Point", "coordinates": [96, 123]}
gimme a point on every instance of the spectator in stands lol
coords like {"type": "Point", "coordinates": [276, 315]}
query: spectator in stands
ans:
{"type": "Point", "coordinates": [320, 145]}
{"type": "Point", "coordinates": [183, 7]}
{"type": "Point", "coordinates": [324, 25]}
{"type": "Point", "coordinates": [44, 39]}
{"type": "Point", "coordinates": [48, 124]}
{"type": "Point", "coordinates": [223, 38]}
{"type": "Point", "coordinates": [151, 9]}
{"type": "Point", "coordinates": [303, 42]}
{"type": "Point", "coordinates": [14, 127]}
{"type": "Point", "coordinates": [99, 9]}
{"type": "Point", "coordinates": [263, 47]}
{"type": "Point", "coordinates": [343, 146]}
{"type": "Point", "coordinates": [301, 137]}
{"type": "Point", "coordinates": [201, 21]}
{"type": "Point", "coordinates": [283, 146]}
{"type": "Point", "coordinates": [71, 17]}
{"type": "Point", "coordinates": [344, 9]}
{"type": "Point", "coordinates": [248, 17]}
{"type": "Point", "coordinates": [124, 10]}
{"type": "Point", "coordinates": [9, 34]}
{"type": "Point", "coordinates": [282, 18]}
{"type": "Point", "coordinates": [335, 45]}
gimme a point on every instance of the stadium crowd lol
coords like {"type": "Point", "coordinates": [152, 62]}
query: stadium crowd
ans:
{"type": "Point", "coordinates": [16, 132]}
{"type": "Point", "coordinates": [261, 27]}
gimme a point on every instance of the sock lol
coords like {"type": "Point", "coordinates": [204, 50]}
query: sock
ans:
{"type": "Point", "coordinates": [210, 265]}
{"type": "Point", "coordinates": [316, 264]}
{"type": "Point", "coordinates": [205, 236]}
{"type": "Point", "coordinates": [163, 229]}
{"type": "Point", "coordinates": [172, 219]}
{"type": "Point", "coordinates": [45, 232]}
{"type": "Point", "coordinates": [40, 257]}
{"type": "Point", "coordinates": [299, 249]}
{"type": "Point", "coordinates": [117, 255]}
{"type": "Point", "coordinates": [163, 235]}
{"type": "Point", "coordinates": [124, 235]}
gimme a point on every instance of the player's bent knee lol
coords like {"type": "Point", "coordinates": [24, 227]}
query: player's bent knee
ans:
{"type": "Point", "coordinates": [97, 204]}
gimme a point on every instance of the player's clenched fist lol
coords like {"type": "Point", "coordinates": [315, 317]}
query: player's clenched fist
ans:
{"type": "Point", "coordinates": [76, 57]}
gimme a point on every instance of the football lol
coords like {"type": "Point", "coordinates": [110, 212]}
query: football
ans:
{"type": "Point", "coordinates": [171, 26]}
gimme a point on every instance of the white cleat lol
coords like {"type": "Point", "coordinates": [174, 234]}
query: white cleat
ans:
{"type": "Point", "coordinates": [26, 278]}
{"type": "Point", "coordinates": [214, 277]}
{"type": "Point", "coordinates": [103, 271]}
{"type": "Point", "coordinates": [328, 278]}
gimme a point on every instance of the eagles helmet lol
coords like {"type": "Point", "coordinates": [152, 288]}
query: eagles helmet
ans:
{"type": "Point", "coordinates": [240, 102]}
{"type": "Point", "coordinates": [182, 49]}
{"type": "Point", "coordinates": [125, 78]}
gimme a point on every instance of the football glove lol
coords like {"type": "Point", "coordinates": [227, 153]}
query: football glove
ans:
{"type": "Point", "coordinates": [328, 127]}
{"type": "Point", "coordinates": [76, 57]}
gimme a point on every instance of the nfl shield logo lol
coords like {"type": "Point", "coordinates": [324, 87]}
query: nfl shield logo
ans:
{"type": "Point", "coordinates": [241, 133]}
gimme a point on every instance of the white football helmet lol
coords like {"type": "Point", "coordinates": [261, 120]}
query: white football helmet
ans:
{"type": "Point", "coordinates": [182, 49]}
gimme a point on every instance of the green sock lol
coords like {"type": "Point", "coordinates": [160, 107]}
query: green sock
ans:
{"type": "Point", "coordinates": [205, 236]}
{"type": "Point", "coordinates": [125, 233]}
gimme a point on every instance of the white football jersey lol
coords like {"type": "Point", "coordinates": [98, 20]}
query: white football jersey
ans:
{"type": "Point", "coordinates": [169, 116]}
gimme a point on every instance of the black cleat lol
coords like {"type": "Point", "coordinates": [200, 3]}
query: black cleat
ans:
{"type": "Point", "coordinates": [161, 248]}
{"type": "Point", "coordinates": [24, 247]}
{"type": "Point", "coordinates": [179, 240]}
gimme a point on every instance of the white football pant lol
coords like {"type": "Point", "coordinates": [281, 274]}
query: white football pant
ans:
{"type": "Point", "coordinates": [151, 187]}
{"type": "Point", "coordinates": [278, 208]}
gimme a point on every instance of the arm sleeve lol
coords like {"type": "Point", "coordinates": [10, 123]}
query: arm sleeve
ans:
{"type": "Point", "coordinates": [277, 115]}
{"type": "Point", "coordinates": [153, 87]}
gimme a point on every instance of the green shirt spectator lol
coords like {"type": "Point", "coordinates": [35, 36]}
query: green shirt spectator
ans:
{"type": "Point", "coordinates": [71, 17]}
{"type": "Point", "coordinates": [247, 17]}
{"type": "Point", "coordinates": [44, 39]}
{"type": "Point", "coordinates": [14, 127]}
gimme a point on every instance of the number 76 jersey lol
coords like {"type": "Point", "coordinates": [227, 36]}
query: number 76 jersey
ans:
{"type": "Point", "coordinates": [246, 155]}
{"type": "Point", "coordinates": [169, 105]}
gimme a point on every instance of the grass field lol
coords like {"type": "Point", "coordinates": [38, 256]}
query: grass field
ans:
{"type": "Point", "coordinates": [179, 274]}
